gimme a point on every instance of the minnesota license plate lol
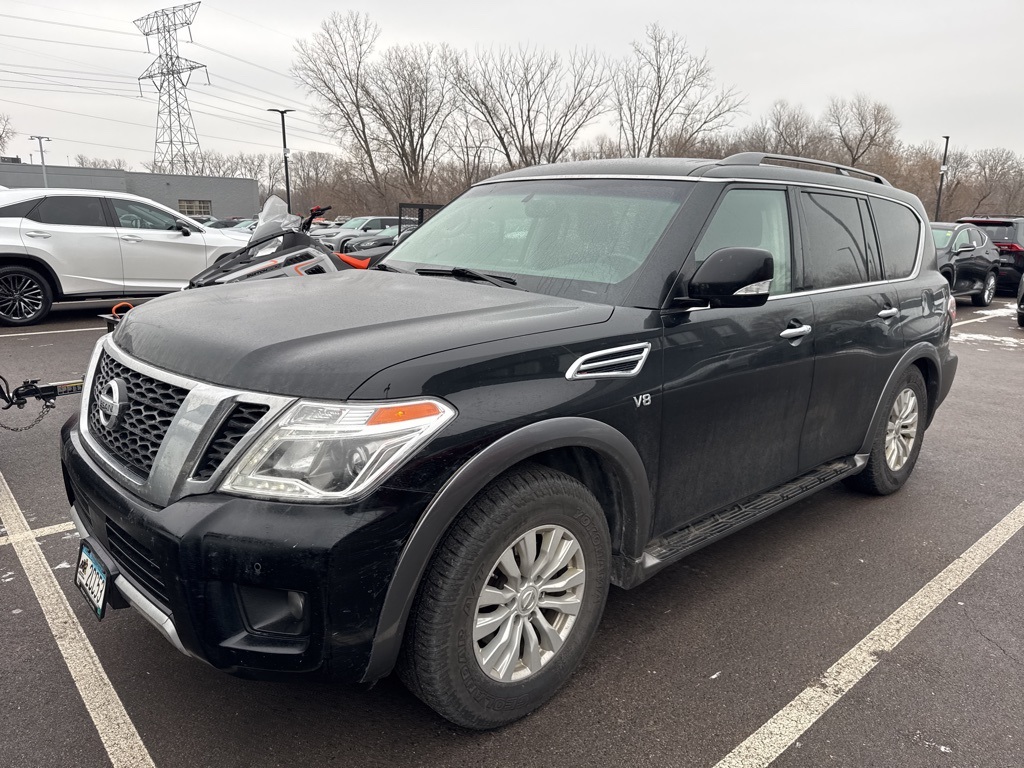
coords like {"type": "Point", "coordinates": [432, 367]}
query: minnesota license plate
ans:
{"type": "Point", "coordinates": [92, 579]}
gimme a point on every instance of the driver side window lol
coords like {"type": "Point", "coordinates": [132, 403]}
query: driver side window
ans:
{"type": "Point", "coordinates": [753, 218]}
{"type": "Point", "coordinates": [135, 215]}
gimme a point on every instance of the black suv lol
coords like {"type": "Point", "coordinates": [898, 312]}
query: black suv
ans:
{"type": "Point", "coordinates": [1007, 233]}
{"type": "Point", "coordinates": [968, 260]}
{"type": "Point", "coordinates": [572, 376]}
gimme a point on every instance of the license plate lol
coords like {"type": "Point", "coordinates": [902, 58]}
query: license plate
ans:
{"type": "Point", "coordinates": [92, 579]}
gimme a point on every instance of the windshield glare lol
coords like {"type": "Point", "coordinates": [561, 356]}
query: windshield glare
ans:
{"type": "Point", "coordinates": [580, 238]}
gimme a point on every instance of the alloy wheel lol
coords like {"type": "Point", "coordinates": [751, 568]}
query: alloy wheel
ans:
{"type": "Point", "coordinates": [990, 288]}
{"type": "Point", "coordinates": [529, 604]}
{"type": "Point", "coordinates": [901, 429]}
{"type": "Point", "coordinates": [21, 297]}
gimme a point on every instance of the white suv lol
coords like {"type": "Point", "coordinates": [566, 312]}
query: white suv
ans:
{"type": "Point", "coordinates": [63, 244]}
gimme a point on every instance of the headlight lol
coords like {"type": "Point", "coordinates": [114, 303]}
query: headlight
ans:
{"type": "Point", "coordinates": [334, 451]}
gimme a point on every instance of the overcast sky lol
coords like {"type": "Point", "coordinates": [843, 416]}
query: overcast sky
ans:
{"type": "Point", "coordinates": [944, 67]}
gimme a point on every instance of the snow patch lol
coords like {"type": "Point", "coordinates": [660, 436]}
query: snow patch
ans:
{"type": "Point", "coordinates": [1006, 342]}
{"type": "Point", "coordinates": [64, 564]}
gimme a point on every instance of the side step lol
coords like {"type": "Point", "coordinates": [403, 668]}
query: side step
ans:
{"type": "Point", "coordinates": [700, 533]}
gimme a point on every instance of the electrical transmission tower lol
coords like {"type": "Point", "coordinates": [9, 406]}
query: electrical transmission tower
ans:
{"type": "Point", "coordinates": [177, 145]}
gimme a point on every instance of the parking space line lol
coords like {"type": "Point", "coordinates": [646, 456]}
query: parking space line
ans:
{"type": "Point", "coordinates": [38, 533]}
{"type": "Point", "coordinates": [117, 732]}
{"type": "Point", "coordinates": [773, 738]}
{"type": "Point", "coordinates": [43, 333]}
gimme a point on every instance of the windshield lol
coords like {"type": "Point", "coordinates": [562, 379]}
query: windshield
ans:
{"type": "Point", "coordinates": [580, 238]}
{"type": "Point", "coordinates": [389, 232]}
{"type": "Point", "coordinates": [355, 223]}
{"type": "Point", "coordinates": [941, 237]}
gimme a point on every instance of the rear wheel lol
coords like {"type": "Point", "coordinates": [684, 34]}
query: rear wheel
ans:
{"type": "Point", "coordinates": [988, 292]}
{"type": "Point", "coordinates": [510, 601]}
{"type": "Point", "coordinates": [25, 296]}
{"type": "Point", "coordinates": [897, 442]}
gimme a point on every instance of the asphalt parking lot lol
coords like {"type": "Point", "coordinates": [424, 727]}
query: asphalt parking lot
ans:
{"type": "Point", "coordinates": [731, 647]}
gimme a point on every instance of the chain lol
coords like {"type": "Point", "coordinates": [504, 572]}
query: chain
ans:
{"type": "Point", "coordinates": [47, 407]}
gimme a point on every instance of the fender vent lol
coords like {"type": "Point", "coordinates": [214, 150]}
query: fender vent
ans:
{"type": "Point", "coordinates": [616, 363]}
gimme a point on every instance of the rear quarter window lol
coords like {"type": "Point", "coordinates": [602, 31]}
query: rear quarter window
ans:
{"type": "Point", "coordinates": [899, 232]}
{"type": "Point", "coordinates": [18, 210]}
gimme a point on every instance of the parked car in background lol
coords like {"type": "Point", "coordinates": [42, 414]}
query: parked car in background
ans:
{"type": "Point", "coordinates": [359, 227]}
{"type": "Point", "coordinates": [62, 244]}
{"type": "Point", "coordinates": [968, 259]}
{"type": "Point", "coordinates": [223, 223]}
{"type": "Point", "coordinates": [386, 237]}
{"type": "Point", "coordinates": [246, 224]}
{"type": "Point", "coordinates": [205, 220]}
{"type": "Point", "coordinates": [1007, 232]}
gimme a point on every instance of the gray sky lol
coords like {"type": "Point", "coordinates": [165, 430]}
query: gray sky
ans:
{"type": "Point", "coordinates": [944, 67]}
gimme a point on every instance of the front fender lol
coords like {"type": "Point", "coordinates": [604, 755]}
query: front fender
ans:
{"type": "Point", "coordinates": [472, 477]}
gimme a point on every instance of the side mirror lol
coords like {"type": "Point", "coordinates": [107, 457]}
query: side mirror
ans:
{"type": "Point", "coordinates": [733, 277]}
{"type": "Point", "coordinates": [965, 247]}
{"type": "Point", "coordinates": [185, 230]}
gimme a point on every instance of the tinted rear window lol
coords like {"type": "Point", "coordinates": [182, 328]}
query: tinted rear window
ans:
{"type": "Point", "coordinates": [899, 232]}
{"type": "Point", "coordinates": [17, 210]}
{"type": "Point", "coordinates": [73, 211]}
{"type": "Point", "coordinates": [1000, 233]}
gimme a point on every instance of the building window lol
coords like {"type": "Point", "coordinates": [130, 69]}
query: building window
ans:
{"type": "Point", "coordinates": [195, 207]}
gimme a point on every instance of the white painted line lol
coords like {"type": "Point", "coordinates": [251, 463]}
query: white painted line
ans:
{"type": "Point", "coordinates": [38, 533]}
{"type": "Point", "coordinates": [769, 741]}
{"type": "Point", "coordinates": [975, 320]}
{"type": "Point", "coordinates": [43, 333]}
{"type": "Point", "coordinates": [116, 730]}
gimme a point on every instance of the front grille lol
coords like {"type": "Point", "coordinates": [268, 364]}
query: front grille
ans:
{"type": "Point", "coordinates": [232, 430]}
{"type": "Point", "coordinates": [152, 405]}
{"type": "Point", "coordinates": [136, 562]}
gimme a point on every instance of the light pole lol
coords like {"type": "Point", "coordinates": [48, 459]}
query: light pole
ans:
{"type": "Point", "coordinates": [284, 144]}
{"type": "Point", "coordinates": [42, 156]}
{"type": "Point", "coordinates": [942, 178]}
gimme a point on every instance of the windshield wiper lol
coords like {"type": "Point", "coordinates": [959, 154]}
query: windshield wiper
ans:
{"type": "Point", "coordinates": [499, 280]}
{"type": "Point", "coordinates": [385, 267]}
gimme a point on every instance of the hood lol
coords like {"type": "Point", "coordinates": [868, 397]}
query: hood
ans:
{"type": "Point", "coordinates": [323, 336]}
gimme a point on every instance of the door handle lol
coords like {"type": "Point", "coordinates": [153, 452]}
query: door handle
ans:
{"type": "Point", "coordinates": [131, 239]}
{"type": "Point", "coordinates": [41, 235]}
{"type": "Point", "coordinates": [889, 312]}
{"type": "Point", "coordinates": [795, 333]}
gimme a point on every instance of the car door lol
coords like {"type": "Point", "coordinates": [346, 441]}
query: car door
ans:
{"type": "Point", "coordinates": [737, 380]}
{"type": "Point", "coordinates": [858, 323]}
{"type": "Point", "coordinates": [158, 256]}
{"type": "Point", "coordinates": [74, 235]}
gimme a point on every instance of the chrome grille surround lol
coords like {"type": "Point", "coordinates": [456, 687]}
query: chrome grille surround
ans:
{"type": "Point", "coordinates": [190, 431]}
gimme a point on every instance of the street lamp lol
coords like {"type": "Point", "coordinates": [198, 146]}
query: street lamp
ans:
{"type": "Point", "coordinates": [42, 156]}
{"type": "Point", "coordinates": [942, 178]}
{"type": "Point", "coordinates": [284, 144]}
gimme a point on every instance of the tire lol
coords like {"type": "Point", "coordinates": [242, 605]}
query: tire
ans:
{"type": "Point", "coordinates": [25, 296]}
{"type": "Point", "coordinates": [464, 677]}
{"type": "Point", "coordinates": [984, 298]}
{"type": "Point", "coordinates": [897, 442]}
{"type": "Point", "coordinates": [1020, 320]}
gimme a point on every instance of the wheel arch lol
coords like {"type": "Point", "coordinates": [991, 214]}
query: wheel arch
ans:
{"type": "Point", "coordinates": [926, 359]}
{"type": "Point", "coordinates": [596, 454]}
{"type": "Point", "coordinates": [24, 260]}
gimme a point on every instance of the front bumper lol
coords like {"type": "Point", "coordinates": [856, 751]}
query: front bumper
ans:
{"type": "Point", "coordinates": [208, 571]}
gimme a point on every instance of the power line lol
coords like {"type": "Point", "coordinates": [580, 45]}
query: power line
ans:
{"type": "Point", "coordinates": [236, 58]}
{"type": "Point", "coordinates": [72, 71]}
{"type": "Point", "coordinates": [62, 58]}
{"type": "Point", "coordinates": [68, 42]}
{"type": "Point", "coordinates": [65, 24]}
{"type": "Point", "coordinates": [248, 21]}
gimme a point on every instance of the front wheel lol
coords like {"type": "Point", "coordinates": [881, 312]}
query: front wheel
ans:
{"type": "Point", "coordinates": [510, 601]}
{"type": "Point", "coordinates": [988, 292]}
{"type": "Point", "coordinates": [897, 442]}
{"type": "Point", "coordinates": [25, 296]}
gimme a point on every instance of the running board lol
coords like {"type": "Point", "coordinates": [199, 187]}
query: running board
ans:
{"type": "Point", "coordinates": [676, 545]}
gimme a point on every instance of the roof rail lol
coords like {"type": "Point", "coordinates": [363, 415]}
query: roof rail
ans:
{"type": "Point", "coordinates": [994, 216]}
{"type": "Point", "coordinates": [758, 158]}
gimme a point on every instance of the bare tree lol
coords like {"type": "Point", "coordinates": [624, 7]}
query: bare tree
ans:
{"type": "Point", "coordinates": [664, 92]}
{"type": "Point", "coordinates": [860, 126]}
{"type": "Point", "coordinates": [994, 172]}
{"type": "Point", "coordinates": [117, 164]}
{"type": "Point", "coordinates": [6, 131]}
{"type": "Point", "coordinates": [533, 103]}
